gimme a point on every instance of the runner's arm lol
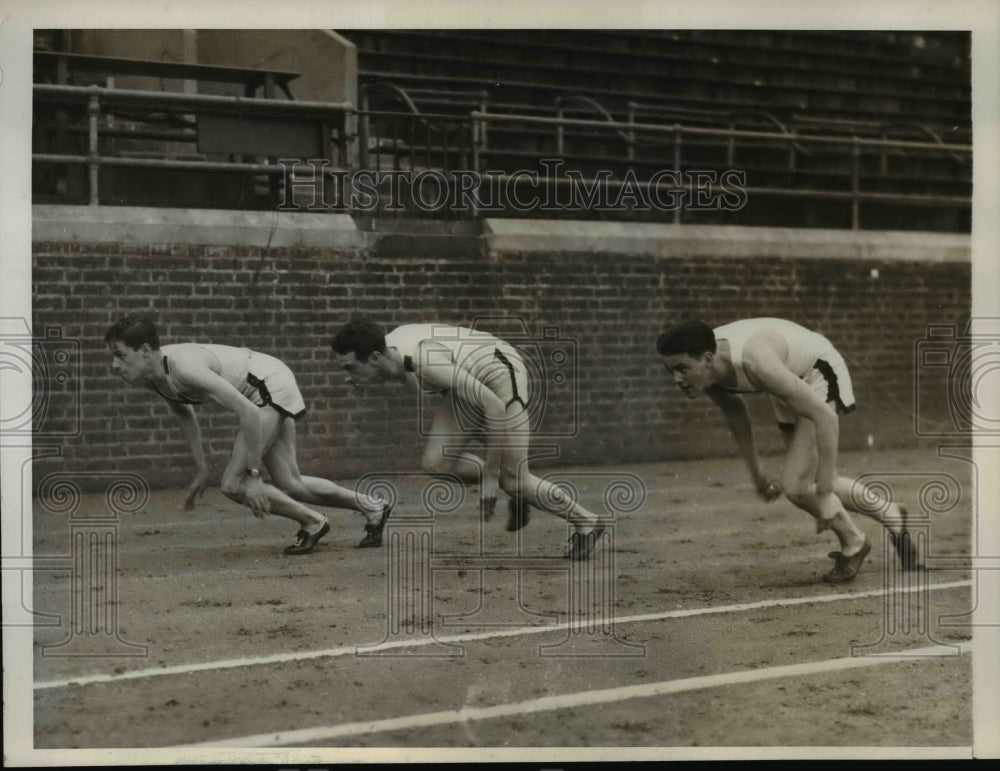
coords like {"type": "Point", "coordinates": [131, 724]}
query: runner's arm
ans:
{"type": "Point", "coordinates": [202, 379]}
{"type": "Point", "coordinates": [195, 375]}
{"type": "Point", "coordinates": [737, 417]}
{"type": "Point", "coordinates": [189, 426]}
{"type": "Point", "coordinates": [439, 370]}
{"type": "Point", "coordinates": [765, 367]}
{"type": "Point", "coordinates": [472, 391]}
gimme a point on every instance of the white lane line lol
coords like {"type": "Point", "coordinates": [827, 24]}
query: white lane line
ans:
{"type": "Point", "coordinates": [349, 650]}
{"type": "Point", "coordinates": [569, 700]}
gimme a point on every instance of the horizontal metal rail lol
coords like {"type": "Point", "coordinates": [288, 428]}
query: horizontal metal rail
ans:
{"type": "Point", "coordinates": [184, 136]}
{"type": "Point", "coordinates": [470, 136]}
{"type": "Point", "coordinates": [159, 163]}
{"type": "Point", "coordinates": [841, 195]}
{"type": "Point", "coordinates": [201, 102]}
{"type": "Point", "coordinates": [678, 128]}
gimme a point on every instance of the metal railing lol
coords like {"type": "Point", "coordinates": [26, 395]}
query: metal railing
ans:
{"type": "Point", "coordinates": [347, 141]}
{"type": "Point", "coordinates": [636, 134]}
{"type": "Point", "coordinates": [328, 119]}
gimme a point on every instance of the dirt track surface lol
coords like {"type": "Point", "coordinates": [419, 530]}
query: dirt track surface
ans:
{"type": "Point", "coordinates": [243, 646]}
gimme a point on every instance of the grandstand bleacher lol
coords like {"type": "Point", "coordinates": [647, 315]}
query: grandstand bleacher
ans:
{"type": "Point", "coordinates": [868, 129]}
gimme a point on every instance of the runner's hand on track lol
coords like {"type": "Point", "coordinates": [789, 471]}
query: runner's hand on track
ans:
{"type": "Point", "coordinates": [769, 490]}
{"type": "Point", "coordinates": [195, 490]}
{"type": "Point", "coordinates": [256, 498]}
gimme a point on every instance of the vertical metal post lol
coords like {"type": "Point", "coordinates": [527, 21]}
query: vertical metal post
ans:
{"type": "Point", "coordinates": [630, 150]}
{"type": "Point", "coordinates": [363, 132]}
{"type": "Point", "coordinates": [395, 144]}
{"type": "Point", "coordinates": [477, 134]}
{"type": "Point", "coordinates": [446, 146]}
{"type": "Point", "coordinates": [855, 183]}
{"type": "Point", "coordinates": [678, 133]}
{"type": "Point", "coordinates": [94, 110]}
{"type": "Point", "coordinates": [478, 128]}
{"type": "Point", "coordinates": [428, 144]}
{"type": "Point", "coordinates": [731, 145]}
{"type": "Point", "coordinates": [483, 97]}
{"type": "Point", "coordinates": [560, 131]}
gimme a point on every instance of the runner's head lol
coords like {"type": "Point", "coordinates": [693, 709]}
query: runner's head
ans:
{"type": "Point", "coordinates": [360, 349]}
{"type": "Point", "coordinates": [688, 350]}
{"type": "Point", "coordinates": [360, 337]}
{"type": "Point", "coordinates": [134, 347]}
{"type": "Point", "coordinates": [693, 338]}
{"type": "Point", "coordinates": [134, 331]}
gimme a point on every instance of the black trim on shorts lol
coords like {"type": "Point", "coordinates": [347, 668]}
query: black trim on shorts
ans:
{"type": "Point", "coordinates": [786, 427]}
{"type": "Point", "coordinates": [833, 392]}
{"type": "Point", "coordinates": [265, 394]}
{"type": "Point", "coordinates": [498, 354]}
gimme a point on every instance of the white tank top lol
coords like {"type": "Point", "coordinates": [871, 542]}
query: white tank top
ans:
{"type": "Point", "coordinates": [473, 349]}
{"type": "Point", "coordinates": [234, 364]}
{"type": "Point", "coordinates": [804, 346]}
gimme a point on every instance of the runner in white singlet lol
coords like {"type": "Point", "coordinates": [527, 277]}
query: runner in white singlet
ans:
{"type": "Point", "coordinates": [807, 354]}
{"type": "Point", "coordinates": [262, 391]}
{"type": "Point", "coordinates": [810, 386]}
{"type": "Point", "coordinates": [480, 379]}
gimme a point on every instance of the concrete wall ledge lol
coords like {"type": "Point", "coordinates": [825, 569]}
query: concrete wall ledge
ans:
{"type": "Point", "coordinates": [535, 235]}
{"type": "Point", "coordinates": [150, 225]}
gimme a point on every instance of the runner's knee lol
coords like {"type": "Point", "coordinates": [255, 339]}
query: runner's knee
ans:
{"type": "Point", "coordinates": [798, 490]}
{"type": "Point", "coordinates": [798, 498]}
{"type": "Point", "coordinates": [513, 486]}
{"type": "Point", "coordinates": [509, 484]}
{"type": "Point", "coordinates": [232, 487]}
{"type": "Point", "coordinates": [291, 486]}
{"type": "Point", "coordinates": [433, 463]}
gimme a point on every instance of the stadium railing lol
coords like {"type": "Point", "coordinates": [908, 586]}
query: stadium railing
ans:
{"type": "Point", "coordinates": [99, 129]}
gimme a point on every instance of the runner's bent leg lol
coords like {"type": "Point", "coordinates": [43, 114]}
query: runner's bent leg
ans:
{"type": "Point", "coordinates": [234, 476]}
{"type": "Point", "coordinates": [446, 432]}
{"type": "Point", "coordinates": [517, 481]}
{"type": "Point", "coordinates": [857, 497]}
{"type": "Point", "coordinates": [283, 465]}
{"type": "Point", "coordinates": [798, 483]}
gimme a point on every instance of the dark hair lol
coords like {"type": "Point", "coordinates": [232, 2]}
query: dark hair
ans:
{"type": "Point", "coordinates": [361, 336]}
{"type": "Point", "coordinates": [134, 331]}
{"type": "Point", "coordinates": [691, 337]}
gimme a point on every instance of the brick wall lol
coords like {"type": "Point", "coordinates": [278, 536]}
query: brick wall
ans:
{"type": "Point", "coordinates": [602, 310]}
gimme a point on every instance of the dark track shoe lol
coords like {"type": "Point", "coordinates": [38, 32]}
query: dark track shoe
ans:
{"type": "Point", "coordinates": [519, 514]}
{"type": "Point", "coordinates": [373, 533]}
{"type": "Point", "coordinates": [846, 568]}
{"type": "Point", "coordinates": [581, 545]}
{"type": "Point", "coordinates": [306, 542]}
